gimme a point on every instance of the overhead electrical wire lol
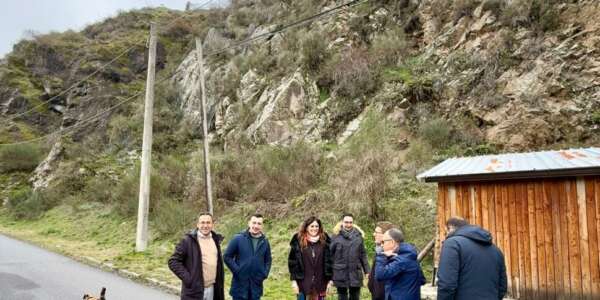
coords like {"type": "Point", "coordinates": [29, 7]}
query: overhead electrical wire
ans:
{"type": "Point", "coordinates": [236, 45]}
{"type": "Point", "coordinates": [88, 120]}
{"type": "Point", "coordinates": [98, 70]}
{"type": "Point", "coordinates": [288, 26]}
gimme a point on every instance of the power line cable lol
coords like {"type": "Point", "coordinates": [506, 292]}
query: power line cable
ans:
{"type": "Point", "coordinates": [288, 26]}
{"type": "Point", "coordinates": [14, 116]}
{"type": "Point", "coordinates": [98, 70]}
{"type": "Point", "coordinates": [89, 119]}
{"type": "Point", "coordinates": [244, 42]}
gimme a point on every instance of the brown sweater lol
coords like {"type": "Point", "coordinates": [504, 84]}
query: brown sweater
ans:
{"type": "Point", "coordinates": [209, 259]}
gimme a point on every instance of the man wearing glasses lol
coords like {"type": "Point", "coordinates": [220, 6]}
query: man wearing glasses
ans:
{"type": "Point", "coordinates": [398, 268]}
{"type": "Point", "coordinates": [198, 263]}
{"type": "Point", "coordinates": [349, 259]}
{"type": "Point", "coordinates": [376, 287]}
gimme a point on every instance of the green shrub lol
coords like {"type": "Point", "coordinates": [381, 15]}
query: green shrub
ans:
{"type": "Point", "coordinates": [360, 183]}
{"type": "Point", "coordinates": [516, 14]}
{"type": "Point", "coordinates": [437, 132]}
{"type": "Point", "coordinates": [410, 206]}
{"type": "Point", "coordinates": [174, 170]}
{"type": "Point", "coordinates": [417, 75]}
{"type": "Point", "coordinates": [20, 157]}
{"type": "Point", "coordinates": [165, 138]}
{"type": "Point", "coordinates": [271, 173]}
{"type": "Point", "coordinates": [354, 75]}
{"type": "Point", "coordinates": [460, 61]}
{"type": "Point", "coordinates": [545, 15]}
{"type": "Point", "coordinates": [126, 194]}
{"type": "Point", "coordinates": [262, 60]}
{"type": "Point", "coordinates": [230, 170]}
{"type": "Point", "coordinates": [495, 6]}
{"type": "Point", "coordinates": [324, 95]}
{"type": "Point", "coordinates": [390, 46]}
{"type": "Point", "coordinates": [375, 132]}
{"type": "Point", "coordinates": [227, 85]}
{"type": "Point", "coordinates": [24, 203]}
{"type": "Point", "coordinates": [173, 218]}
{"type": "Point", "coordinates": [463, 8]}
{"type": "Point", "coordinates": [125, 132]}
{"type": "Point", "coordinates": [342, 112]}
{"type": "Point", "coordinates": [359, 24]}
{"type": "Point", "coordinates": [361, 176]}
{"type": "Point", "coordinates": [418, 157]}
{"type": "Point", "coordinates": [99, 189]}
{"type": "Point", "coordinates": [595, 117]}
{"type": "Point", "coordinates": [538, 14]}
{"type": "Point", "coordinates": [179, 29]}
{"type": "Point", "coordinates": [314, 51]}
{"type": "Point", "coordinates": [286, 172]}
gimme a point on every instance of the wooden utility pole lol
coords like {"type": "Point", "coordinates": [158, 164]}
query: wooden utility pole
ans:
{"type": "Point", "coordinates": [141, 240]}
{"type": "Point", "coordinates": [207, 181]}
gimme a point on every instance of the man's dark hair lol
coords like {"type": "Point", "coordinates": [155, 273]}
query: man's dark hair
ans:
{"type": "Point", "coordinates": [347, 215]}
{"type": "Point", "coordinates": [456, 222]}
{"type": "Point", "coordinates": [396, 235]}
{"type": "Point", "coordinates": [205, 213]}
{"type": "Point", "coordinates": [257, 215]}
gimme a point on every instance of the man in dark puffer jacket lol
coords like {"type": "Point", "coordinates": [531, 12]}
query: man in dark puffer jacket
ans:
{"type": "Point", "coordinates": [349, 258]}
{"type": "Point", "coordinates": [471, 266]}
{"type": "Point", "coordinates": [197, 261]}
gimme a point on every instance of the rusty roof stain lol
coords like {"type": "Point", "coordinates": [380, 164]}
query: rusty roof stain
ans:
{"type": "Point", "coordinates": [571, 159]}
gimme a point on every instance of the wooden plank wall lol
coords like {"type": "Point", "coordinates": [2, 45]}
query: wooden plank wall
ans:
{"type": "Point", "coordinates": [548, 230]}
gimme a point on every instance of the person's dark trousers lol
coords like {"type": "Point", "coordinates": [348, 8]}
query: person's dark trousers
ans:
{"type": "Point", "coordinates": [377, 298]}
{"type": "Point", "coordinates": [353, 292]}
{"type": "Point", "coordinates": [249, 296]}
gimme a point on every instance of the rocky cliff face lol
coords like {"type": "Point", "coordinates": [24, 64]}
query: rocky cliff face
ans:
{"type": "Point", "coordinates": [547, 94]}
{"type": "Point", "coordinates": [516, 75]}
{"type": "Point", "coordinates": [521, 86]}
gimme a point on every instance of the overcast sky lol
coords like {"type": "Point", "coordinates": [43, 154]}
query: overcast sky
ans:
{"type": "Point", "coordinates": [43, 16]}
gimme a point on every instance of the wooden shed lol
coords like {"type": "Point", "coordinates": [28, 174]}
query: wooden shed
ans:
{"type": "Point", "coordinates": [542, 209]}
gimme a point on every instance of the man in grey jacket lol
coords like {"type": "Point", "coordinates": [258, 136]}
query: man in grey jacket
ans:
{"type": "Point", "coordinates": [349, 258]}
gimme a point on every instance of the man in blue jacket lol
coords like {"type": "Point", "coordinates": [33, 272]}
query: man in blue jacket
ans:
{"type": "Point", "coordinates": [398, 268]}
{"type": "Point", "coordinates": [248, 256]}
{"type": "Point", "coordinates": [471, 266]}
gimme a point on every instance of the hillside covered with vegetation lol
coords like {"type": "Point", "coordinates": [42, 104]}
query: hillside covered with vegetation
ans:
{"type": "Point", "coordinates": [336, 114]}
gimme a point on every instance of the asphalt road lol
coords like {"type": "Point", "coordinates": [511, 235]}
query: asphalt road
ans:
{"type": "Point", "coordinates": [28, 273]}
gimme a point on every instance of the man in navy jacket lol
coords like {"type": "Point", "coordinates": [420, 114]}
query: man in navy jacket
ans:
{"type": "Point", "coordinates": [471, 266]}
{"type": "Point", "coordinates": [397, 267]}
{"type": "Point", "coordinates": [248, 256]}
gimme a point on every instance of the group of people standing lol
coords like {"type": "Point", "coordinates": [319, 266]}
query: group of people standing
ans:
{"type": "Point", "coordinates": [471, 267]}
{"type": "Point", "coordinates": [197, 261]}
{"type": "Point", "coordinates": [316, 262]}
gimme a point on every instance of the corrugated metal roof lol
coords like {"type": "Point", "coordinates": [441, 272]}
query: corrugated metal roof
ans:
{"type": "Point", "coordinates": [572, 162]}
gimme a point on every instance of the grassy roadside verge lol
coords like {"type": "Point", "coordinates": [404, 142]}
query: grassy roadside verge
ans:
{"type": "Point", "coordinates": [93, 235]}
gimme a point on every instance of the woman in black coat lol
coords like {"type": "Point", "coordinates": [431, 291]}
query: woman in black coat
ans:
{"type": "Point", "coordinates": [309, 261]}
